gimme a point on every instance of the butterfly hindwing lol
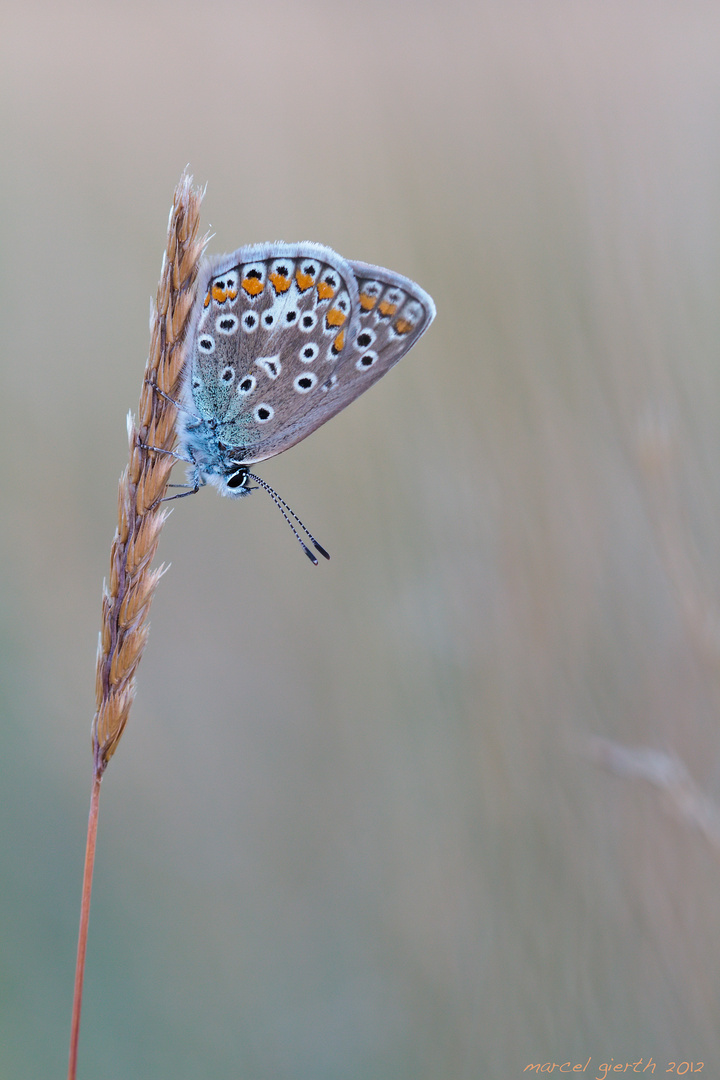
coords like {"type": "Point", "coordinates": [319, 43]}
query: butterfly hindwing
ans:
{"type": "Point", "coordinates": [393, 312]}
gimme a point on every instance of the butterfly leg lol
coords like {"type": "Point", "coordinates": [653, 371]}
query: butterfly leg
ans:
{"type": "Point", "coordinates": [178, 404]}
{"type": "Point", "coordinates": [172, 453]}
{"type": "Point", "coordinates": [198, 481]}
{"type": "Point", "coordinates": [193, 489]}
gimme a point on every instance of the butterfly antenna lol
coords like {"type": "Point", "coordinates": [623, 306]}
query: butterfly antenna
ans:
{"type": "Point", "coordinates": [288, 513]}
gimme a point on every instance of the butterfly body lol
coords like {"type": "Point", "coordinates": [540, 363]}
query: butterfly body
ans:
{"type": "Point", "coordinates": [284, 336]}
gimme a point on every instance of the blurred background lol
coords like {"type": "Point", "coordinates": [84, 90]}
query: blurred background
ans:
{"type": "Point", "coordinates": [447, 805]}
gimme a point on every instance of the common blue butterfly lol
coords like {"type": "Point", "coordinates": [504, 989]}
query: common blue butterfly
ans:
{"type": "Point", "coordinates": [282, 337]}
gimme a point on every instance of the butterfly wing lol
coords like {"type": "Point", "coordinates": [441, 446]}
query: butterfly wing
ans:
{"type": "Point", "coordinates": [286, 335]}
{"type": "Point", "coordinates": [392, 314]}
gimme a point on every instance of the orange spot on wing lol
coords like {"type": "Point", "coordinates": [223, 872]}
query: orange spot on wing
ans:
{"type": "Point", "coordinates": [207, 299]}
{"type": "Point", "coordinates": [325, 291]}
{"type": "Point", "coordinates": [339, 341]}
{"type": "Point", "coordinates": [232, 293]}
{"type": "Point", "coordinates": [281, 284]}
{"type": "Point", "coordinates": [387, 308]}
{"type": "Point", "coordinates": [335, 317]}
{"type": "Point", "coordinates": [304, 280]}
{"type": "Point", "coordinates": [218, 294]}
{"type": "Point", "coordinates": [402, 326]}
{"type": "Point", "coordinates": [252, 286]}
{"type": "Point", "coordinates": [367, 302]}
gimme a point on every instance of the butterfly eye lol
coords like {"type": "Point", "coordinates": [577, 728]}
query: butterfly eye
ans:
{"type": "Point", "coordinates": [237, 479]}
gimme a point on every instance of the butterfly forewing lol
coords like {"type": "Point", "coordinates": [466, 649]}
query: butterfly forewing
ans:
{"type": "Point", "coordinates": [273, 320]}
{"type": "Point", "coordinates": [284, 337]}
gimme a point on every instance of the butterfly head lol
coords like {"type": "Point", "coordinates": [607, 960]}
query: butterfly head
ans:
{"type": "Point", "coordinates": [235, 483]}
{"type": "Point", "coordinates": [221, 470]}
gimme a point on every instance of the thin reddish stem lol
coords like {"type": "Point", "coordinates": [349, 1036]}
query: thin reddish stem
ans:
{"type": "Point", "coordinates": [84, 920]}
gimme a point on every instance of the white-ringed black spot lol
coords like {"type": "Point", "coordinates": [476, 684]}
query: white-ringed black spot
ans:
{"type": "Point", "coordinates": [366, 361]}
{"type": "Point", "coordinates": [206, 344]}
{"type": "Point", "coordinates": [263, 413]}
{"type": "Point", "coordinates": [365, 338]}
{"type": "Point", "coordinates": [271, 365]}
{"type": "Point", "coordinates": [227, 281]}
{"type": "Point", "coordinates": [308, 353]}
{"type": "Point", "coordinates": [246, 385]}
{"type": "Point", "coordinates": [291, 316]}
{"type": "Point", "coordinates": [249, 322]}
{"type": "Point", "coordinates": [330, 280]}
{"type": "Point", "coordinates": [310, 269]}
{"type": "Point", "coordinates": [268, 319]}
{"type": "Point", "coordinates": [308, 322]}
{"type": "Point", "coordinates": [228, 374]}
{"type": "Point", "coordinates": [304, 383]}
{"type": "Point", "coordinates": [226, 324]}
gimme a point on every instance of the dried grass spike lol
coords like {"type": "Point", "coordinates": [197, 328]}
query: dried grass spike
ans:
{"type": "Point", "coordinates": [131, 582]}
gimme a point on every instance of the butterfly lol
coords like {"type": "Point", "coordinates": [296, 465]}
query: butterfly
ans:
{"type": "Point", "coordinates": [282, 337]}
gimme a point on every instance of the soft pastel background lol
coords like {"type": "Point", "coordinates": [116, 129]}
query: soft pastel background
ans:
{"type": "Point", "coordinates": [357, 826]}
